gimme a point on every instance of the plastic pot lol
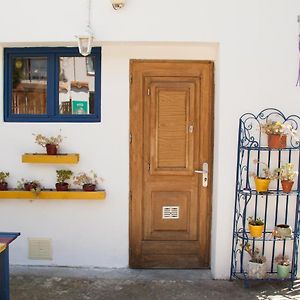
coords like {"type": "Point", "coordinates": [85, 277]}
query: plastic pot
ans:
{"type": "Point", "coordinates": [283, 231]}
{"type": "Point", "coordinates": [283, 271]}
{"type": "Point", "coordinates": [256, 230]}
{"type": "Point", "coordinates": [262, 184]}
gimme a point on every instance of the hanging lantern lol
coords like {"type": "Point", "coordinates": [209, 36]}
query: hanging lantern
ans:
{"type": "Point", "coordinates": [85, 42]}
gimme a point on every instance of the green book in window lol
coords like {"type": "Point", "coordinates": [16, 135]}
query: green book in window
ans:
{"type": "Point", "coordinates": [79, 107]}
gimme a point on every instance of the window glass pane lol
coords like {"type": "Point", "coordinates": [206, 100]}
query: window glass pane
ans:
{"type": "Point", "coordinates": [29, 86]}
{"type": "Point", "coordinates": [76, 85]}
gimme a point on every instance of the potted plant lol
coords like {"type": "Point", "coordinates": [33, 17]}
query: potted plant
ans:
{"type": "Point", "coordinates": [283, 231]}
{"type": "Point", "coordinates": [29, 185]}
{"type": "Point", "coordinates": [277, 133]}
{"type": "Point", "coordinates": [256, 226]}
{"type": "Point", "coordinates": [257, 268]}
{"type": "Point", "coordinates": [50, 143]}
{"type": "Point", "coordinates": [286, 174]}
{"type": "Point", "coordinates": [283, 266]}
{"type": "Point", "coordinates": [262, 181]}
{"type": "Point", "coordinates": [3, 183]}
{"type": "Point", "coordinates": [62, 176]}
{"type": "Point", "coordinates": [88, 182]}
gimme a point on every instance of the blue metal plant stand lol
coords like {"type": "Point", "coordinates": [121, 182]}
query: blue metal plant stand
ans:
{"type": "Point", "coordinates": [275, 206]}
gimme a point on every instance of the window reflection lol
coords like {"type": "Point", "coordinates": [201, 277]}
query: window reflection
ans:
{"type": "Point", "coordinates": [76, 85]}
{"type": "Point", "coordinates": [29, 85]}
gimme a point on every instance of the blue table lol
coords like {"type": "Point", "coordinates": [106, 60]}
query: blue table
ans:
{"type": "Point", "coordinates": [6, 238]}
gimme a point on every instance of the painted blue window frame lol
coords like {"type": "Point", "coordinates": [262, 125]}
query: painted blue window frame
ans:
{"type": "Point", "coordinates": [52, 54]}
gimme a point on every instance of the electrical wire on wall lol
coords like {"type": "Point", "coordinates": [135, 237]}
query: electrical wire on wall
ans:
{"type": "Point", "coordinates": [298, 80]}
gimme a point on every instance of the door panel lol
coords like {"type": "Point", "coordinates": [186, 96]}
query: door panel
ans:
{"type": "Point", "coordinates": [171, 127]}
{"type": "Point", "coordinates": [158, 226]}
{"type": "Point", "coordinates": [171, 114]}
{"type": "Point", "coordinates": [170, 118]}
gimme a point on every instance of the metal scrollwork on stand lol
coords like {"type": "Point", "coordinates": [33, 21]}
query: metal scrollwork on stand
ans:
{"type": "Point", "coordinates": [274, 205]}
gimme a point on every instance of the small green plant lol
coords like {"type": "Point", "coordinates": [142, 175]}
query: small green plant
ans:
{"type": "Point", "coordinates": [282, 260]}
{"type": "Point", "coordinates": [63, 175]}
{"type": "Point", "coordinates": [83, 178]}
{"type": "Point", "coordinates": [33, 185]}
{"type": "Point", "coordinates": [3, 176]}
{"type": "Point", "coordinates": [44, 140]}
{"type": "Point", "coordinates": [286, 172]}
{"type": "Point", "coordinates": [266, 172]}
{"type": "Point", "coordinates": [254, 253]}
{"type": "Point", "coordinates": [21, 183]}
{"type": "Point", "coordinates": [255, 222]}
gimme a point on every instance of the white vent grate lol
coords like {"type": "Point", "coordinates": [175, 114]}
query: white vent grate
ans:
{"type": "Point", "coordinates": [170, 212]}
{"type": "Point", "coordinates": [40, 248]}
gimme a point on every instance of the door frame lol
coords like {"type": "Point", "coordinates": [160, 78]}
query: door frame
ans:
{"type": "Point", "coordinates": [136, 153]}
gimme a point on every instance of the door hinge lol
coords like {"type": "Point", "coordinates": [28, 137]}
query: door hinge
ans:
{"type": "Point", "coordinates": [148, 165]}
{"type": "Point", "coordinates": [148, 92]}
{"type": "Point", "coordinates": [130, 138]}
{"type": "Point", "coordinates": [130, 195]}
{"type": "Point", "coordinates": [130, 78]}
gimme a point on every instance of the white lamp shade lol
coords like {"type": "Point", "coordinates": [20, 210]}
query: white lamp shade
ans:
{"type": "Point", "coordinates": [85, 44]}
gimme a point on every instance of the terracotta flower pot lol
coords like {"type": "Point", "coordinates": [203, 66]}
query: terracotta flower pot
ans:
{"type": "Point", "coordinates": [261, 184]}
{"type": "Point", "coordinates": [287, 185]}
{"type": "Point", "coordinates": [277, 141]}
{"type": "Point", "coordinates": [28, 186]}
{"type": "Point", "coordinates": [89, 187]}
{"type": "Point", "coordinates": [3, 186]}
{"type": "Point", "coordinates": [62, 186]}
{"type": "Point", "coordinates": [256, 230]}
{"type": "Point", "coordinates": [51, 149]}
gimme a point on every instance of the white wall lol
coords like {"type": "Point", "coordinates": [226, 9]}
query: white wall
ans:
{"type": "Point", "coordinates": [257, 63]}
{"type": "Point", "coordinates": [97, 229]}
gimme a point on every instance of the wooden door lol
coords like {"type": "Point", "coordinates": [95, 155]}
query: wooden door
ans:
{"type": "Point", "coordinates": [171, 127]}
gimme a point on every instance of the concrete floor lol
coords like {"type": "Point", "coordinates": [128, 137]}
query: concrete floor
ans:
{"type": "Point", "coordinates": [53, 283]}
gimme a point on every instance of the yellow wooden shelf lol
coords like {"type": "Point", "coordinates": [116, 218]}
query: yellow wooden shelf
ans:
{"type": "Point", "coordinates": [2, 247]}
{"type": "Point", "coordinates": [38, 158]}
{"type": "Point", "coordinates": [53, 194]}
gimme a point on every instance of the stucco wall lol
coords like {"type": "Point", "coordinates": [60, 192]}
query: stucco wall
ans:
{"type": "Point", "coordinates": [254, 44]}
